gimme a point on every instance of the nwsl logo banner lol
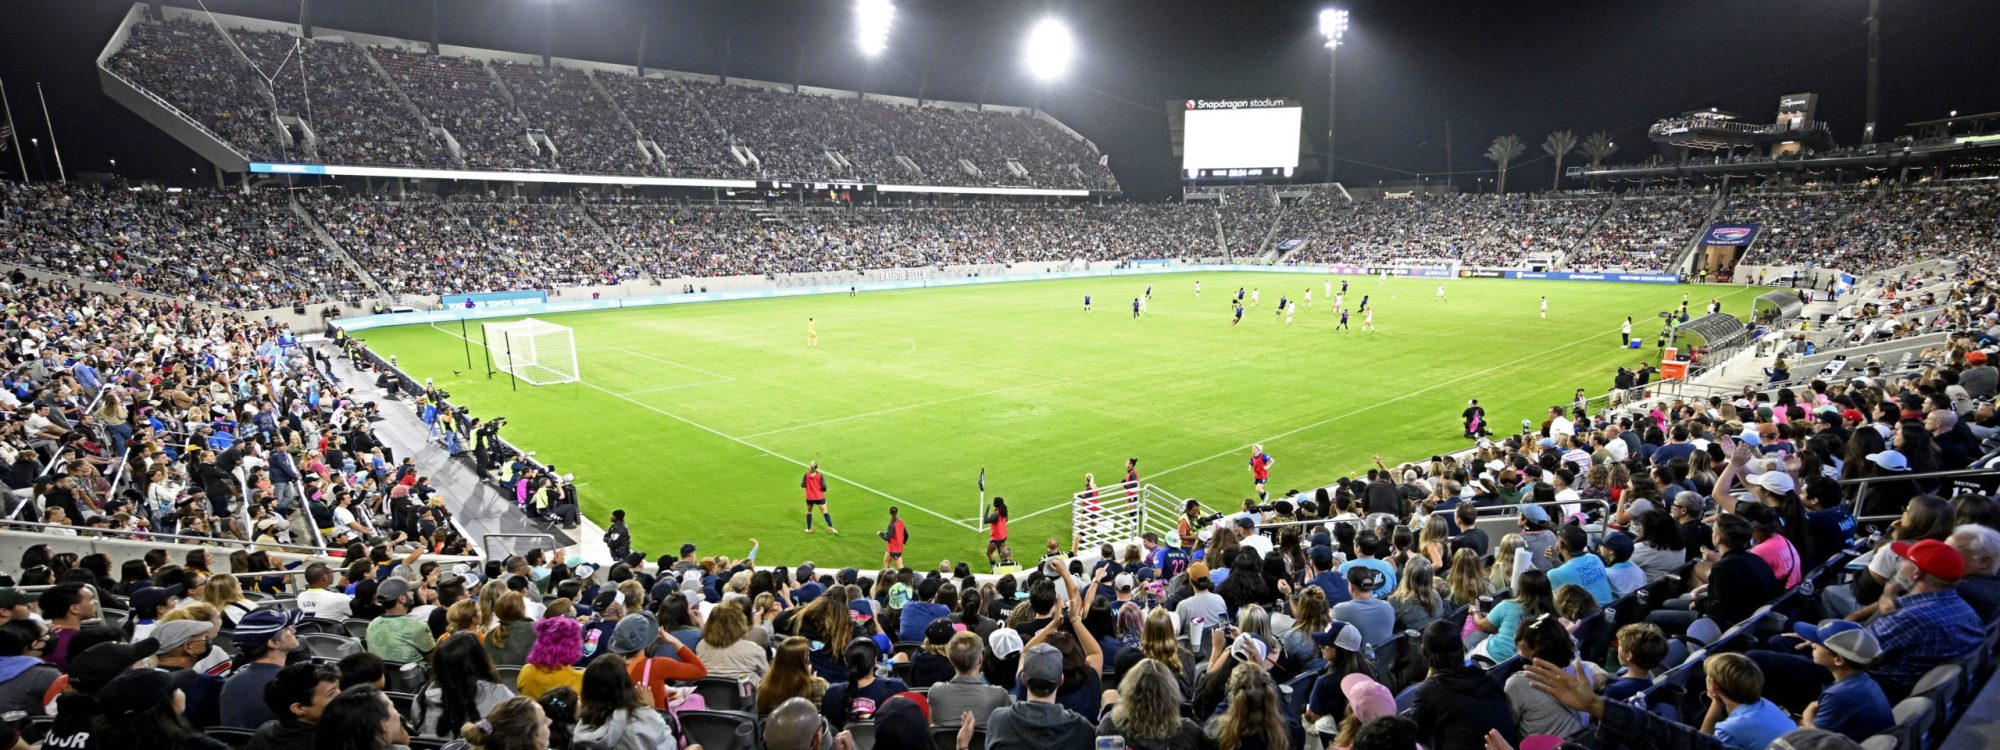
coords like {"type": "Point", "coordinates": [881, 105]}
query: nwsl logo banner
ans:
{"type": "Point", "coordinates": [1737, 235]}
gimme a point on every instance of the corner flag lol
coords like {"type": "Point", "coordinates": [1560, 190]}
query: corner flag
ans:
{"type": "Point", "coordinates": [982, 479]}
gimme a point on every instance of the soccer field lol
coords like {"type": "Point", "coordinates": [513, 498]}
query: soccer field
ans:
{"type": "Point", "coordinates": [697, 419]}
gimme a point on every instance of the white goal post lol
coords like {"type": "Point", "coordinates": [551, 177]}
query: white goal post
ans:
{"type": "Point", "coordinates": [535, 351]}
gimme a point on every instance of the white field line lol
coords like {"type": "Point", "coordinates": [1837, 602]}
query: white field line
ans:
{"type": "Point", "coordinates": [1329, 420]}
{"type": "Point", "coordinates": [643, 355]}
{"type": "Point", "coordinates": [663, 389]}
{"type": "Point", "coordinates": [775, 454]}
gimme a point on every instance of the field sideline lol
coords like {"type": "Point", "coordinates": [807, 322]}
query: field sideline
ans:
{"type": "Point", "coordinates": [696, 419]}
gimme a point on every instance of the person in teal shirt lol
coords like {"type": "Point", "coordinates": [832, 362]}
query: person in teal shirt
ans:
{"type": "Point", "coordinates": [1579, 566]}
{"type": "Point", "coordinates": [1533, 598]}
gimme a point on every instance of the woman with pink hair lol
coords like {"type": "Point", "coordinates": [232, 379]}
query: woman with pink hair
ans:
{"type": "Point", "coordinates": [558, 644]}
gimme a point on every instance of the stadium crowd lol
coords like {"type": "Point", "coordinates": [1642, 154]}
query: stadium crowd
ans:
{"type": "Point", "coordinates": [492, 110]}
{"type": "Point", "coordinates": [1641, 233]}
{"type": "Point", "coordinates": [1682, 574]}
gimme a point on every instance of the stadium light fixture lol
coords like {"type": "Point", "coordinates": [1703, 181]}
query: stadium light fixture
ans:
{"type": "Point", "coordinates": [871, 25]}
{"type": "Point", "coordinates": [1049, 49]}
{"type": "Point", "coordinates": [1333, 25]}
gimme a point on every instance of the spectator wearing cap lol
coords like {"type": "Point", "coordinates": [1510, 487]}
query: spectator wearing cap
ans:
{"type": "Point", "coordinates": [1248, 536]}
{"type": "Point", "coordinates": [1324, 574]}
{"type": "Point", "coordinates": [632, 640]}
{"type": "Point", "coordinates": [1536, 536]}
{"type": "Point", "coordinates": [1340, 647]}
{"type": "Point", "coordinates": [394, 635]}
{"type": "Point", "coordinates": [263, 639]}
{"type": "Point", "coordinates": [966, 690]}
{"type": "Point", "coordinates": [1202, 609]}
{"type": "Point", "coordinates": [1038, 722]}
{"type": "Point", "coordinates": [1980, 588]}
{"type": "Point", "coordinates": [1738, 582]}
{"type": "Point", "coordinates": [14, 604]}
{"type": "Point", "coordinates": [687, 560]}
{"type": "Point", "coordinates": [91, 670]}
{"type": "Point", "coordinates": [1980, 379]}
{"type": "Point", "coordinates": [298, 695]}
{"type": "Point", "coordinates": [148, 603]}
{"type": "Point", "coordinates": [1375, 618]}
{"type": "Point", "coordinates": [932, 663]}
{"type": "Point", "coordinates": [1578, 566]}
{"type": "Point", "coordinates": [25, 677]}
{"type": "Point", "coordinates": [1623, 575]}
{"type": "Point", "coordinates": [1854, 704]}
{"type": "Point", "coordinates": [1930, 625]}
{"type": "Point", "coordinates": [143, 709]}
{"type": "Point", "coordinates": [182, 644]}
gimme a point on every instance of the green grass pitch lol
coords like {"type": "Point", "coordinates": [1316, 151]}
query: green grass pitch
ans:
{"type": "Point", "coordinates": [696, 419]}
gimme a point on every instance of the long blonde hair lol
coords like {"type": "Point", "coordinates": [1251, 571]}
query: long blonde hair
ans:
{"type": "Point", "coordinates": [1467, 580]}
{"type": "Point", "coordinates": [1435, 531]}
{"type": "Point", "coordinates": [222, 591]}
{"type": "Point", "coordinates": [1310, 613]}
{"type": "Point", "coordinates": [1253, 710]}
{"type": "Point", "coordinates": [1149, 702]}
{"type": "Point", "coordinates": [1157, 642]}
{"type": "Point", "coordinates": [1502, 574]}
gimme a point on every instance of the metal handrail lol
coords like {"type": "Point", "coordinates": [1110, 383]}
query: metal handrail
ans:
{"type": "Point", "coordinates": [134, 536]}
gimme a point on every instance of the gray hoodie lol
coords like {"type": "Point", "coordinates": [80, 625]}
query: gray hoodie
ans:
{"type": "Point", "coordinates": [1028, 725]}
{"type": "Point", "coordinates": [629, 730]}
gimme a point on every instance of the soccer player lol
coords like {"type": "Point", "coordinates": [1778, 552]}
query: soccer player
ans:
{"type": "Point", "coordinates": [996, 529]}
{"type": "Point", "coordinates": [1239, 313]}
{"type": "Point", "coordinates": [1282, 302]}
{"type": "Point", "coordinates": [1288, 314]}
{"type": "Point", "coordinates": [1343, 320]}
{"type": "Point", "coordinates": [1327, 286]}
{"type": "Point", "coordinates": [1086, 303]}
{"type": "Point", "coordinates": [1149, 291]}
{"type": "Point", "coordinates": [1260, 470]}
{"type": "Point", "coordinates": [812, 334]}
{"type": "Point", "coordinates": [1625, 333]}
{"type": "Point", "coordinates": [1197, 289]}
{"type": "Point", "coordinates": [1545, 308]}
{"type": "Point", "coordinates": [1340, 300]}
{"type": "Point", "coordinates": [1239, 294]}
{"type": "Point", "coordinates": [1135, 308]}
{"type": "Point", "coordinates": [1309, 298]}
{"type": "Point", "coordinates": [1440, 294]}
{"type": "Point", "coordinates": [1343, 287]}
{"type": "Point", "coordinates": [1364, 303]}
{"type": "Point", "coordinates": [1368, 319]}
{"type": "Point", "coordinates": [1146, 301]}
{"type": "Point", "coordinates": [895, 537]}
{"type": "Point", "coordinates": [815, 487]}
{"type": "Point", "coordinates": [1255, 296]}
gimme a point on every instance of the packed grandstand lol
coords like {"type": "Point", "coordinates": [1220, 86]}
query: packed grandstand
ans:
{"type": "Point", "coordinates": [1791, 559]}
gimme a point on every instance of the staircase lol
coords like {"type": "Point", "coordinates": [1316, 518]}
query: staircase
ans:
{"type": "Point", "coordinates": [1684, 262]}
{"type": "Point", "coordinates": [326, 238]}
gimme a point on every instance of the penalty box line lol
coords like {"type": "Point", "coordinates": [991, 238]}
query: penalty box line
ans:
{"type": "Point", "coordinates": [775, 454]}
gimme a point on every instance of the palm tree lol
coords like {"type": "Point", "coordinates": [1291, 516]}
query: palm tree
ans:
{"type": "Point", "coordinates": [1558, 145]}
{"type": "Point", "coordinates": [1504, 151]}
{"type": "Point", "coordinates": [1599, 147]}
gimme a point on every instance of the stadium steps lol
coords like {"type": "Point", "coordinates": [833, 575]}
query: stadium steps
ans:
{"type": "Point", "coordinates": [451, 147]}
{"type": "Point", "coordinates": [326, 238]}
{"type": "Point", "coordinates": [1684, 261]}
{"type": "Point", "coordinates": [1221, 242]}
{"type": "Point", "coordinates": [1589, 231]}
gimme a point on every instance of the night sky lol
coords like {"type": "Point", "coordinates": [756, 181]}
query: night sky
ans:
{"type": "Point", "coordinates": [1406, 68]}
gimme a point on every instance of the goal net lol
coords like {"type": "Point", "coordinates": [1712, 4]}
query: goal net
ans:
{"type": "Point", "coordinates": [538, 352]}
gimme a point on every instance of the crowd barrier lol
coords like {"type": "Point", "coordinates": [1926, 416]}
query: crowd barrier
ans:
{"type": "Point", "coordinates": [522, 305]}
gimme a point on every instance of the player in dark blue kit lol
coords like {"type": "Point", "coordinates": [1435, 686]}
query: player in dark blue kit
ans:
{"type": "Point", "coordinates": [1343, 286]}
{"type": "Point", "coordinates": [1364, 302]}
{"type": "Point", "coordinates": [1086, 303]}
{"type": "Point", "coordinates": [1135, 308]}
{"type": "Point", "coordinates": [1239, 313]}
{"type": "Point", "coordinates": [1343, 320]}
{"type": "Point", "coordinates": [1282, 301]}
{"type": "Point", "coordinates": [1149, 291]}
{"type": "Point", "coordinates": [1239, 294]}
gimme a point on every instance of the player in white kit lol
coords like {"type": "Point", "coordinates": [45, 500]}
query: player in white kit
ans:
{"type": "Point", "coordinates": [1440, 296]}
{"type": "Point", "coordinates": [1197, 290]}
{"type": "Point", "coordinates": [1368, 319]}
{"type": "Point", "coordinates": [1309, 298]}
{"type": "Point", "coordinates": [1339, 299]}
{"type": "Point", "coordinates": [1327, 287]}
{"type": "Point", "coordinates": [1288, 312]}
{"type": "Point", "coordinates": [1545, 308]}
{"type": "Point", "coordinates": [1254, 294]}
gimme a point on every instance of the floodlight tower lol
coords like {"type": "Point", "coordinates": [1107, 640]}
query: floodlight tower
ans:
{"type": "Point", "coordinates": [1332, 26]}
{"type": "Point", "coordinates": [1047, 52]}
{"type": "Point", "coordinates": [871, 34]}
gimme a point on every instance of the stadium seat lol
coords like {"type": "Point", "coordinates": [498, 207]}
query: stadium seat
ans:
{"type": "Point", "coordinates": [509, 675]}
{"type": "Point", "coordinates": [236, 737]}
{"type": "Point", "coordinates": [356, 629]}
{"type": "Point", "coordinates": [326, 647]}
{"type": "Point", "coordinates": [1880, 742]}
{"type": "Point", "coordinates": [720, 730]}
{"type": "Point", "coordinates": [1912, 717]}
{"type": "Point", "coordinates": [863, 731]}
{"type": "Point", "coordinates": [1940, 687]}
{"type": "Point", "coordinates": [727, 694]}
{"type": "Point", "coordinates": [946, 738]}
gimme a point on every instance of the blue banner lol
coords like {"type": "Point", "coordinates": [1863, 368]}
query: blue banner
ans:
{"type": "Point", "coordinates": [1734, 235]}
{"type": "Point", "coordinates": [484, 300]}
{"type": "Point", "coordinates": [1635, 278]}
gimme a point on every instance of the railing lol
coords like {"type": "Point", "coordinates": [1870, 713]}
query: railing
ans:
{"type": "Point", "coordinates": [151, 536]}
{"type": "Point", "coordinates": [1121, 513]}
{"type": "Point", "coordinates": [1864, 483]}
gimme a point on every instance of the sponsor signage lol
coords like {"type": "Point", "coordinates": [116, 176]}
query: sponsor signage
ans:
{"type": "Point", "coordinates": [1734, 235]}
{"type": "Point", "coordinates": [493, 299]}
{"type": "Point", "coordinates": [1639, 278]}
{"type": "Point", "coordinates": [1203, 104]}
{"type": "Point", "coordinates": [1481, 273]}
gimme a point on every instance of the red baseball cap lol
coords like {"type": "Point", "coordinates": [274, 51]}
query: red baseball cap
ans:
{"type": "Point", "coordinates": [1936, 559]}
{"type": "Point", "coordinates": [1854, 415]}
